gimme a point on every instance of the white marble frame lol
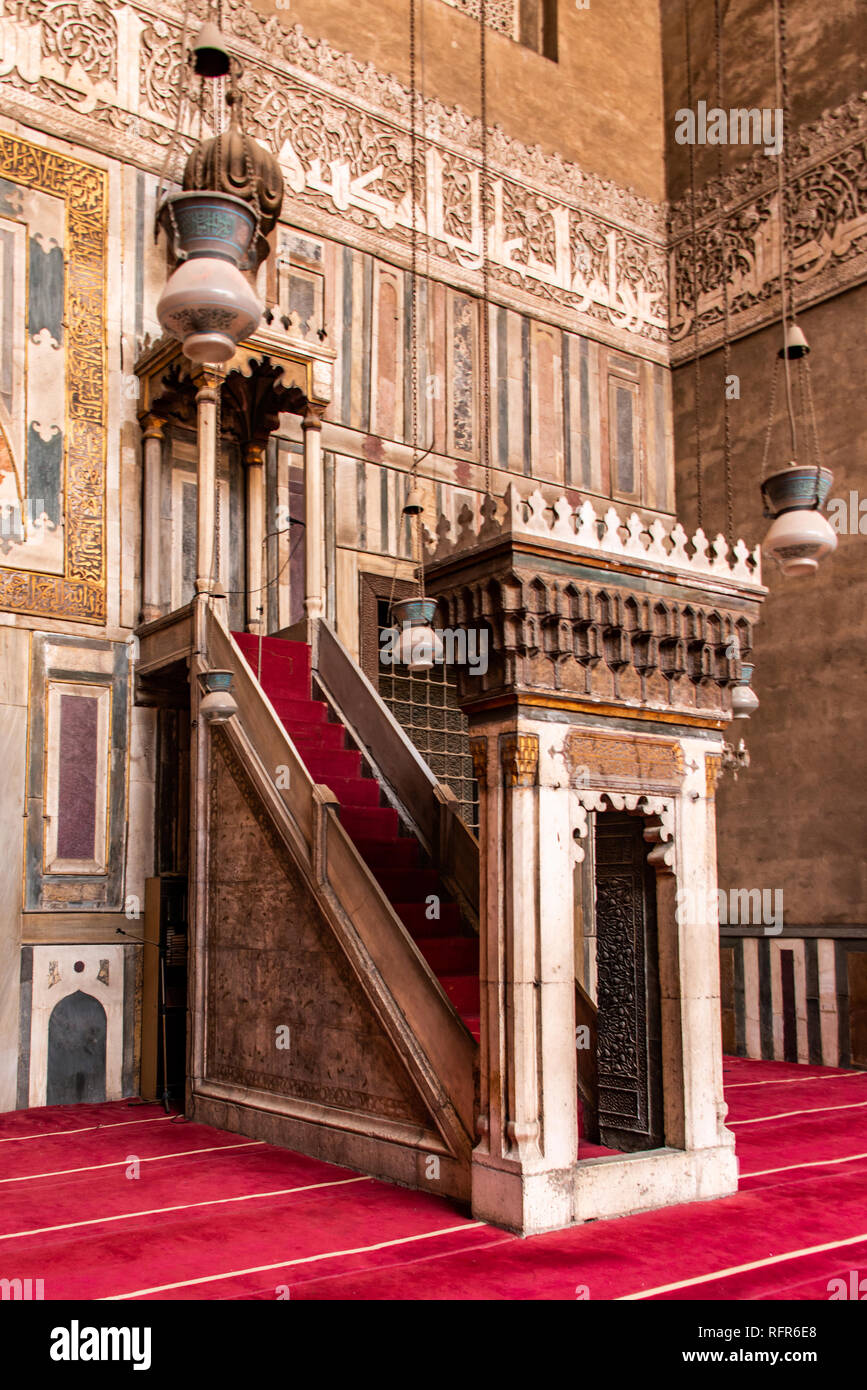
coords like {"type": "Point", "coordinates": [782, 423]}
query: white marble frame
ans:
{"type": "Point", "coordinates": [48, 991]}
{"type": "Point", "coordinates": [90, 690]}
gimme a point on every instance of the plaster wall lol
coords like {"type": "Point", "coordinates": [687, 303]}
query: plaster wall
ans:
{"type": "Point", "coordinates": [796, 820]}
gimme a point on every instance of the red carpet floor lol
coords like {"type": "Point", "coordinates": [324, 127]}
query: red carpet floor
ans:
{"type": "Point", "coordinates": [212, 1215]}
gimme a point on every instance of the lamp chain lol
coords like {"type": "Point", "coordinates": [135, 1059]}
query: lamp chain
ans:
{"type": "Point", "coordinates": [176, 132]}
{"type": "Point", "coordinates": [699, 489]}
{"type": "Point", "coordinates": [770, 425]}
{"type": "Point", "coordinates": [416, 523]}
{"type": "Point", "coordinates": [484, 327]}
{"type": "Point", "coordinates": [782, 81]}
{"type": "Point", "coordinates": [721, 232]}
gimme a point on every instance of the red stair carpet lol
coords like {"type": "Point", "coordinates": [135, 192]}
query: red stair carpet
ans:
{"type": "Point", "coordinates": [115, 1202]}
{"type": "Point", "coordinates": [395, 859]}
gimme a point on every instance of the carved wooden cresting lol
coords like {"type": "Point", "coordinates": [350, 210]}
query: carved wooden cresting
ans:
{"type": "Point", "coordinates": [596, 614]}
{"type": "Point", "coordinates": [629, 1054]}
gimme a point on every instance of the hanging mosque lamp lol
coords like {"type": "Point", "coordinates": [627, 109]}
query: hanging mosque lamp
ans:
{"type": "Point", "coordinates": [218, 228]}
{"type": "Point", "coordinates": [419, 645]}
{"type": "Point", "coordinates": [799, 535]}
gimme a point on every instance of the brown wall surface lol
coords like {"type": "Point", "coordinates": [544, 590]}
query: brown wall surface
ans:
{"type": "Point", "coordinates": [599, 104]}
{"type": "Point", "coordinates": [797, 820]}
{"type": "Point", "coordinates": [827, 63]}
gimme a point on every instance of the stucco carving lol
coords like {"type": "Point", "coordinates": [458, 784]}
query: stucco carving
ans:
{"type": "Point", "coordinates": [657, 810]}
{"type": "Point", "coordinates": [827, 196]}
{"type": "Point", "coordinates": [341, 133]}
{"type": "Point", "coordinates": [595, 254]}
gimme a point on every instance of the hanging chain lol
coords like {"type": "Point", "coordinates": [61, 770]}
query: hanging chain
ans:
{"type": "Point", "coordinates": [236, 100]}
{"type": "Point", "coordinates": [786, 204]}
{"type": "Point", "coordinates": [770, 425]}
{"type": "Point", "coordinates": [483, 194]}
{"type": "Point", "coordinates": [416, 523]}
{"type": "Point", "coordinates": [176, 132]}
{"type": "Point", "coordinates": [721, 231]}
{"type": "Point", "coordinates": [811, 405]}
{"type": "Point", "coordinates": [699, 488]}
{"type": "Point", "coordinates": [413, 306]}
{"type": "Point", "coordinates": [786, 284]}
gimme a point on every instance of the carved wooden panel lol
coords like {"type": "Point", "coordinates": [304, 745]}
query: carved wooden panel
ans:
{"type": "Point", "coordinates": [274, 964]}
{"type": "Point", "coordinates": [629, 1033]}
{"type": "Point", "coordinates": [625, 761]}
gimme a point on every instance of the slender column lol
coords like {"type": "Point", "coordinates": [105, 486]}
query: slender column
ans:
{"type": "Point", "coordinates": [255, 462]}
{"type": "Point", "coordinates": [520, 758]}
{"type": "Point", "coordinates": [695, 970]}
{"type": "Point", "coordinates": [314, 551]}
{"type": "Point", "coordinates": [490, 1059]}
{"type": "Point", "coordinates": [152, 451]}
{"type": "Point", "coordinates": [528, 1127]}
{"type": "Point", "coordinates": [206, 403]}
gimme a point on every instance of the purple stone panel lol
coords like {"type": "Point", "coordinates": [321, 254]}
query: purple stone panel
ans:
{"type": "Point", "coordinates": [76, 810]}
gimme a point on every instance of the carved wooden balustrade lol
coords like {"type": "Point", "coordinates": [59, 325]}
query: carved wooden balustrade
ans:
{"type": "Point", "coordinates": [595, 612]}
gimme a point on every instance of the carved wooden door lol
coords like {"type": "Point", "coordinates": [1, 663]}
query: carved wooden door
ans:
{"type": "Point", "coordinates": [629, 1052]}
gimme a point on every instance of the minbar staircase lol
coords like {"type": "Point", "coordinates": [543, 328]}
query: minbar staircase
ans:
{"type": "Point", "coordinates": [396, 859]}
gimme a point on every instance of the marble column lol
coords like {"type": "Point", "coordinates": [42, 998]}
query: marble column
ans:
{"type": "Point", "coordinates": [314, 514]}
{"type": "Point", "coordinates": [207, 399]}
{"type": "Point", "coordinates": [528, 1132]}
{"type": "Point", "coordinates": [255, 478]}
{"type": "Point", "coordinates": [152, 457]}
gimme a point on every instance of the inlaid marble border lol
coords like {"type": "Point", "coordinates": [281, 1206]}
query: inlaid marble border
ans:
{"type": "Point", "coordinates": [79, 594]}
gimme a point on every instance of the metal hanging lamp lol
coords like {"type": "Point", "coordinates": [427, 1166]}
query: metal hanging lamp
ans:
{"type": "Point", "coordinates": [799, 536]}
{"type": "Point", "coordinates": [217, 229]}
{"type": "Point", "coordinates": [744, 700]}
{"type": "Point", "coordinates": [210, 55]}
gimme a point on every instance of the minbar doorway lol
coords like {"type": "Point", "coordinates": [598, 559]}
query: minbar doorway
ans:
{"type": "Point", "coordinates": [629, 1037]}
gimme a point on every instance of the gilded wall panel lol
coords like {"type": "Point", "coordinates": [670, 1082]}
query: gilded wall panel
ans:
{"type": "Point", "coordinates": [53, 233]}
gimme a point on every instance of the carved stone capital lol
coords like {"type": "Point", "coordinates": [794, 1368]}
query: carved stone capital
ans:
{"type": "Point", "coordinates": [152, 427]}
{"type": "Point", "coordinates": [713, 766]}
{"type": "Point", "coordinates": [208, 380]}
{"type": "Point", "coordinates": [519, 754]}
{"type": "Point", "coordinates": [254, 454]}
{"type": "Point", "coordinates": [479, 751]}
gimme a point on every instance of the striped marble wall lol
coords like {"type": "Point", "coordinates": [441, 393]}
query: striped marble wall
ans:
{"type": "Point", "coordinates": [795, 998]}
{"type": "Point", "coordinates": [564, 410]}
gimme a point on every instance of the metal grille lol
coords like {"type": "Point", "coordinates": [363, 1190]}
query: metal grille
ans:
{"type": "Point", "coordinates": [502, 15]}
{"type": "Point", "coordinates": [425, 704]}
